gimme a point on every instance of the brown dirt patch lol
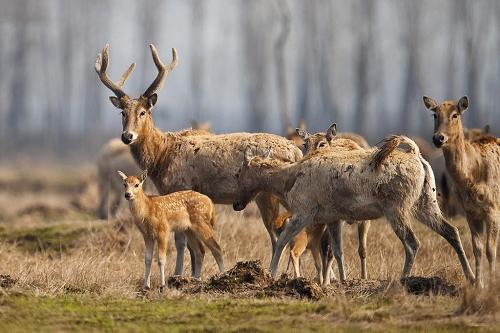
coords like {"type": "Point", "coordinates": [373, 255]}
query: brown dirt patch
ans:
{"type": "Point", "coordinates": [6, 281]}
{"type": "Point", "coordinates": [244, 276]}
{"type": "Point", "coordinates": [419, 285]}
{"type": "Point", "coordinates": [297, 288]}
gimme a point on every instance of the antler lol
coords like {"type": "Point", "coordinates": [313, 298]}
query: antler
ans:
{"type": "Point", "coordinates": [101, 67]}
{"type": "Point", "coordinates": [163, 70]}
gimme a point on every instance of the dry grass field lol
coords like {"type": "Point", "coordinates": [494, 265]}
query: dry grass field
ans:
{"type": "Point", "coordinates": [61, 269]}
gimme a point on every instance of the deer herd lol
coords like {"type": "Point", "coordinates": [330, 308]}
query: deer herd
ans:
{"type": "Point", "coordinates": [334, 178]}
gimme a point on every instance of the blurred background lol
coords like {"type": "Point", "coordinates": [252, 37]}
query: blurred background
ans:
{"type": "Point", "coordinates": [257, 65]}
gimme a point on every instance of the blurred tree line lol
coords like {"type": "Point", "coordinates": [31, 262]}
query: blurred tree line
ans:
{"type": "Point", "coordinates": [259, 65]}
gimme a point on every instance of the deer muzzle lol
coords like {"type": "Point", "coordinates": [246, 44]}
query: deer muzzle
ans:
{"type": "Point", "coordinates": [129, 137]}
{"type": "Point", "coordinates": [439, 139]}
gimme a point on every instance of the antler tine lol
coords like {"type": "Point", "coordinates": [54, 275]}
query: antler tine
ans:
{"type": "Point", "coordinates": [163, 70]}
{"type": "Point", "coordinates": [101, 67]}
{"type": "Point", "coordinates": [126, 75]}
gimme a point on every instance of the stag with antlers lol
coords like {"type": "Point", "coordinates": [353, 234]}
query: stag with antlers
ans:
{"type": "Point", "coordinates": [204, 163]}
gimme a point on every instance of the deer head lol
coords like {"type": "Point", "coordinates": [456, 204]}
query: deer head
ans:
{"type": "Point", "coordinates": [136, 112]}
{"type": "Point", "coordinates": [132, 184]}
{"type": "Point", "coordinates": [317, 141]}
{"type": "Point", "coordinates": [447, 119]}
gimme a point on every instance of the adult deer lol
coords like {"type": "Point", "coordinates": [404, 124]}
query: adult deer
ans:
{"type": "Point", "coordinates": [474, 167]}
{"type": "Point", "coordinates": [353, 184]}
{"type": "Point", "coordinates": [205, 163]}
{"type": "Point", "coordinates": [329, 141]}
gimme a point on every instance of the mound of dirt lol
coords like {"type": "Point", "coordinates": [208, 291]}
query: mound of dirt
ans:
{"type": "Point", "coordinates": [44, 212]}
{"type": "Point", "coordinates": [297, 288]}
{"type": "Point", "coordinates": [419, 285]}
{"type": "Point", "coordinates": [244, 276]}
{"type": "Point", "coordinates": [6, 281]}
{"type": "Point", "coordinates": [184, 283]}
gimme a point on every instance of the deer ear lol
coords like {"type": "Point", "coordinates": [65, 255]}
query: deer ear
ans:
{"type": "Point", "coordinates": [248, 154]}
{"type": "Point", "coordinates": [152, 99]}
{"type": "Point", "coordinates": [143, 176]}
{"type": "Point", "coordinates": [302, 133]}
{"type": "Point", "coordinates": [463, 104]}
{"type": "Point", "coordinates": [122, 175]}
{"type": "Point", "coordinates": [115, 101]}
{"type": "Point", "coordinates": [331, 132]}
{"type": "Point", "coordinates": [430, 103]}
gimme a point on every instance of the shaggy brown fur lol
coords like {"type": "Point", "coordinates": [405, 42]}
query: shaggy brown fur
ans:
{"type": "Point", "coordinates": [328, 141]}
{"type": "Point", "coordinates": [189, 212]}
{"type": "Point", "coordinates": [204, 163]}
{"type": "Point", "coordinates": [474, 167]}
{"type": "Point", "coordinates": [341, 184]}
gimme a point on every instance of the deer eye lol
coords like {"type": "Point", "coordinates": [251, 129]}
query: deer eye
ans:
{"type": "Point", "coordinates": [143, 113]}
{"type": "Point", "coordinates": [322, 145]}
{"type": "Point", "coordinates": [137, 185]}
{"type": "Point", "coordinates": [122, 113]}
{"type": "Point", "coordinates": [455, 116]}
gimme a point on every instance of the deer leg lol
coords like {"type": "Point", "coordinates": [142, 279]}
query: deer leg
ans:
{"type": "Point", "coordinates": [477, 247]}
{"type": "Point", "coordinates": [433, 218]}
{"type": "Point", "coordinates": [115, 204]}
{"type": "Point", "coordinates": [403, 230]}
{"type": "Point", "coordinates": [297, 248]}
{"type": "Point", "coordinates": [492, 226]}
{"type": "Point", "coordinates": [335, 230]}
{"type": "Point", "coordinates": [269, 209]}
{"type": "Point", "coordinates": [204, 232]}
{"type": "Point", "coordinates": [149, 243]}
{"type": "Point", "coordinates": [180, 245]}
{"type": "Point", "coordinates": [363, 227]}
{"type": "Point", "coordinates": [318, 264]}
{"type": "Point", "coordinates": [198, 253]}
{"type": "Point", "coordinates": [102, 211]}
{"type": "Point", "coordinates": [293, 227]}
{"type": "Point", "coordinates": [327, 257]}
{"type": "Point", "coordinates": [162, 258]}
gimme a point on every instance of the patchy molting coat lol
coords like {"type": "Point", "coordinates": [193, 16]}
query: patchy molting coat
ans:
{"type": "Point", "coordinates": [347, 184]}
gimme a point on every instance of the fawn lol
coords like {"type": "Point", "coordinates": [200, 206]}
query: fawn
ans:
{"type": "Point", "coordinates": [189, 212]}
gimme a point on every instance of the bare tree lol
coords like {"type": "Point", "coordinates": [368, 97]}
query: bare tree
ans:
{"type": "Point", "coordinates": [476, 21]}
{"type": "Point", "coordinates": [279, 57]}
{"type": "Point", "coordinates": [306, 53]}
{"type": "Point", "coordinates": [255, 27]}
{"type": "Point", "coordinates": [325, 41]}
{"type": "Point", "coordinates": [364, 52]}
{"type": "Point", "coordinates": [197, 28]}
{"type": "Point", "coordinates": [411, 43]}
{"type": "Point", "coordinates": [18, 107]}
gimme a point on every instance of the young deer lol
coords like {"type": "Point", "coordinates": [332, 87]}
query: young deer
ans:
{"type": "Point", "coordinates": [352, 184]}
{"type": "Point", "coordinates": [189, 212]}
{"type": "Point", "coordinates": [474, 167]}
{"type": "Point", "coordinates": [204, 163]}
{"type": "Point", "coordinates": [322, 142]}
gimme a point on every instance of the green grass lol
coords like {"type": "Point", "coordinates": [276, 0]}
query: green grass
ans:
{"type": "Point", "coordinates": [86, 313]}
{"type": "Point", "coordinates": [49, 238]}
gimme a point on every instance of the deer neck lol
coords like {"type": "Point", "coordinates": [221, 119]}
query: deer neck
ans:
{"type": "Point", "coordinates": [139, 207]}
{"type": "Point", "coordinates": [456, 157]}
{"type": "Point", "coordinates": [150, 148]}
{"type": "Point", "coordinates": [276, 180]}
